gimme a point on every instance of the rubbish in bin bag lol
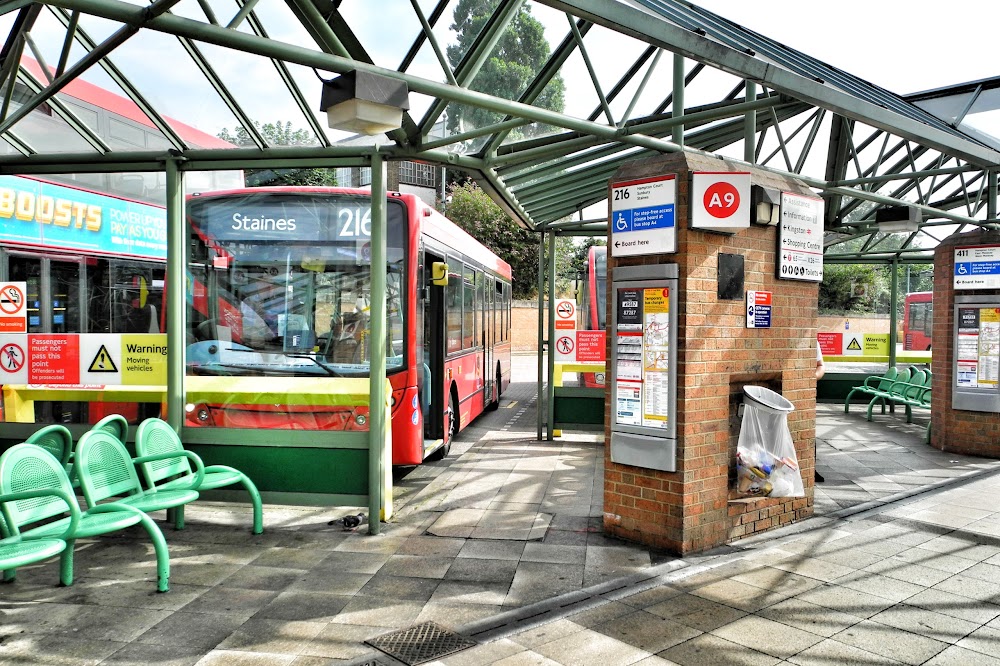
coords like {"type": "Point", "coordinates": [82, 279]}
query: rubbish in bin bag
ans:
{"type": "Point", "coordinates": [766, 465]}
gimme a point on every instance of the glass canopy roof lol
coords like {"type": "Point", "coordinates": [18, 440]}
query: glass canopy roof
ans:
{"type": "Point", "coordinates": [539, 100]}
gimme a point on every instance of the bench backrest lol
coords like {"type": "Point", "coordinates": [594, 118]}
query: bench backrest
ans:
{"type": "Point", "coordinates": [55, 439]}
{"type": "Point", "coordinates": [30, 467]}
{"type": "Point", "coordinates": [887, 379]}
{"type": "Point", "coordinates": [104, 467]}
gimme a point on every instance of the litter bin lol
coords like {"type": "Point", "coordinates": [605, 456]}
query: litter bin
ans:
{"type": "Point", "coordinates": [766, 464]}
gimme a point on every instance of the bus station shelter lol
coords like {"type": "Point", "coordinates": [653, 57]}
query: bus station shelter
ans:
{"type": "Point", "coordinates": [896, 174]}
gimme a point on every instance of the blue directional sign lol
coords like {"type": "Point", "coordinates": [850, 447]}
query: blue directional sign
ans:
{"type": "Point", "coordinates": [977, 267]}
{"type": "Point", "coordinates": [642, 216]}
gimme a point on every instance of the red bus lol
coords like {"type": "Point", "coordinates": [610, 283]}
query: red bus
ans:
{"type": "Point", "coordinates": [280, 287]}
{"type": "Point", "coordinates": [593, 307]}
{"type": "Point", "coordinates": [918, 320]}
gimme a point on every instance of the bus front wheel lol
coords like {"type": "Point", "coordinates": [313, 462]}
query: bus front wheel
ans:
{"type": "Point", "coordinates": [451, 418]}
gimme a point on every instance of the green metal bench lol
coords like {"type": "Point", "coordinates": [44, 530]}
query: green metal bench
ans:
{"type": "Point", "coordinates": [875, 386]}
{"type": "Point", "coordinates": [106, 471]}
{"type": "Point", "coordinates": [916, 392]}
{"type": "Point", "coordinates": [156, 437]}
{"type": "Point", "coordinates": [29, 467]}
{"type": "Point", "coordinates": [15, 550]}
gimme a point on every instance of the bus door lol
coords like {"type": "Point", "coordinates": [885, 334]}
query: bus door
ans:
{"type": "Point", "coordinates": [489, 326]}
{"type": "Point", "coordinates": [433, 351]}
{"type": "Point", "coordinates": [57, 301]}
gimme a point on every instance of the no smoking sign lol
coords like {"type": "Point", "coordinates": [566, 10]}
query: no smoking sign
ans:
{"type": "Point", "coordinates": [720, 201]}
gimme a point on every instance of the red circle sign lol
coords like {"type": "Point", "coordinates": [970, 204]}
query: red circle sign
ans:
{"type": "Point", "coordinates": [721, 199]}
{"type": "Point", "coordinates": [565, 345]}
{"type": "Point", "coordinates": [11, 299]}
{"type": "Point", "coordinates": [11, 357]}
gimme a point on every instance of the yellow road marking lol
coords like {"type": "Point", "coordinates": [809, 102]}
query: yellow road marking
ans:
{"type": "Point", "coordinates": [514, 402]}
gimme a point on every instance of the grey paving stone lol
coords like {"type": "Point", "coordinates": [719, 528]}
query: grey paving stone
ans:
{"type": "Point", "coordinates": [696, 612]}
{"type": "Point", "coordinates": [767, 636]}
{"type": "Point", "coordinates": [709, 650]}
{"type": "Point", "coordinates": [647, 631]}
{"type": "Point", "coordinates": [891, 642]}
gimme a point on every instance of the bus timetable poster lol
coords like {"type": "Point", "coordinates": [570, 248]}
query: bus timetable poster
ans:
{"type": "Point", "coordinates": [977, 350]}
{"type": "Point", "coordinates": [642, 363]}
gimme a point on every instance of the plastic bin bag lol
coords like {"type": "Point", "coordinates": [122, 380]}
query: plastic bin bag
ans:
{"type": "Point", "coordinates": [766, 465]}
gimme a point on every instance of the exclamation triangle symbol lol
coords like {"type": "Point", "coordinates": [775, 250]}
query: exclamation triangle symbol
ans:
{"type": "Point", "coordinates": [102, 361]}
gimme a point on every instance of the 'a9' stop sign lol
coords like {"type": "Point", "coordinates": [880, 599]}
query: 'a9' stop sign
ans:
{"type": "Point", "coordinates": [720, 201]}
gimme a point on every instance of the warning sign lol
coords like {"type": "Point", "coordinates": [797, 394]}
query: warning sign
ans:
{"type": "Point", "coordinates": [54, 359]}
{"type": "Point", "coordinates": [590, 346]}
{"type": "Point", "coordinates": [102, 362]}
{"type": "Point", "coordinates": [12, 308]}
{"type": "Point", "coordinates": [853, 345]}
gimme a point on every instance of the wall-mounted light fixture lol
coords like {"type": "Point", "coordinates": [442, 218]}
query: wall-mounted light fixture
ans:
{"type": "Point", "coordinates": [365, 103]}
{"type": "Point", "coordinates": [898, 219]}
{"type": "Point", "coordinates": [766, 205]}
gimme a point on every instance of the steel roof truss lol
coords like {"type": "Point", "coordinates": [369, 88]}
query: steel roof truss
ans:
{"type": "Point", "coordinates": [66, 18]}
{"type": "Point", "coordinates": [293, 89]}
{"type": "Point", "coordinates": [66, 114]}
{"type": "Point", "coordinates": [578, 38]}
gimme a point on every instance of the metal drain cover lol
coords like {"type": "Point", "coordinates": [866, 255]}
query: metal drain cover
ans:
{"type": "Point", "coordinates": [421, 643]}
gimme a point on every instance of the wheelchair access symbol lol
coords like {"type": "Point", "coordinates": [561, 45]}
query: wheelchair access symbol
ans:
{"type": "Point", "coordinates": [621, 224]}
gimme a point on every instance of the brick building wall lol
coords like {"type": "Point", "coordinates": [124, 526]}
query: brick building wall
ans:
{"type": "Point", "coordinates": [694, 508]}
{"type": "Point", "coordinates": [959, 431]}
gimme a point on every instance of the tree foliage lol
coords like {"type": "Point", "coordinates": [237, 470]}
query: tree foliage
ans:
{"type": "Point", "coordinates": [474, 211]}
{"type": "Point", "coordinates": [518, 56]}
{"type": "Point", "coordinates": [867, 288]}
{"type": "Point", "coordinates": [280, 134]}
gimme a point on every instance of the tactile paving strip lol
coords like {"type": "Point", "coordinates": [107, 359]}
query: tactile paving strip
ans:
{"type": "Point", "coordinates": [420, 643]}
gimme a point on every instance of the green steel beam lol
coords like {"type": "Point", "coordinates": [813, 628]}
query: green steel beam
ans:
{"type": "Point", "coordinates": [454, 139]}
{"type": "Point", "coordinates": [241, 15]}
{"type": "Point", "coordinates": [214, 80]}
{"type": "Point", "coordinates": [293, 89]}
{"type": "Point", "coordinates": [152, 12]}
{"type": "Point", "coordinates": [419, 41]}
{"type": "Point", "coordinates": [637, 23]}
{"type": "Point", "coordinates": [428, 33]}
{"type": "Point", "coordinates": [475, 57]}
{"type": "Point", "coordinates": [71, 27]}
{"type": "Point", "coordinates": [121, 81]}
{"type": "Point", "coordinates": [19, 144]}
{"type": "Point", "coordinates": [750, 126]}
{"type": "Point", "coordinates": [626, 78]}
{"type": "Point", "coordinates": [678, 103]}
{"type": "Point", "coordinates": [578, 38]}
{"type": "Point", "coordinates": [177, 260]}
{"type": "Point", "coordinates": [542, 78]}
{"type": "Point", "coordinates": [65, 113]}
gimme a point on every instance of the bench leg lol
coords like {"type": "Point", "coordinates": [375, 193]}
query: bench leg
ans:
{"type": "Point", "coordinates": [872, 404]}
{"type": "Point", "coordinates": [162, 555]}
{"type": "Point", "coordinates": [66, 565]}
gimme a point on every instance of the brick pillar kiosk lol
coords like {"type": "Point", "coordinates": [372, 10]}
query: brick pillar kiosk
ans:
{"type": "Point", "coordinates": [957, 430]}
{"type": "Point", "coordinates": [697, 507]}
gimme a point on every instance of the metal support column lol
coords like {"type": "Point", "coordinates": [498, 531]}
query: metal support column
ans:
{"type": "Point", "coordinates": [750, 126]}
{"type": "Point", "coordinates": [376, 422]}
{"type": "Point", "coordinates": [540, 401]}
{"type": "Point", "coordinates": [678, 98]}
{"type": "Point", "coordinates": [550, 389]}
{"type": "Point", "coordinates": [991, 195]}
{"type": "Point", "coordinates": [177, 260]}
{"type": "Point", "coordinates": [893, 314]}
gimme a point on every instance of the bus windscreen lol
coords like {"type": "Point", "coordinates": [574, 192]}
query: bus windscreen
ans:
{"type": "Point", "coordinates": [280, 285]}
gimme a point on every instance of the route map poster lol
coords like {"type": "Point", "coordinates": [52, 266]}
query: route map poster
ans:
{"type": "Point", "coordinates": [642, 389]}
{"type": "Point", "coordinates": [977, 352]}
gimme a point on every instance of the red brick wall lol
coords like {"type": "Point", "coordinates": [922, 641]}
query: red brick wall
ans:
{"type": "Point", "coordinates": [694, 509]}
{"type": "Point", "coordinates": [959, 431]}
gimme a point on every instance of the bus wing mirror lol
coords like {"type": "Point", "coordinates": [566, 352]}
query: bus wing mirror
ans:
{"type": "Point", "coordinates": [439, 274]}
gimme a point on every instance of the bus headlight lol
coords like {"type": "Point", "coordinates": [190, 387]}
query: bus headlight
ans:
{"type": "Point", "coordinates": [361, 419]}
{"type": "Point", "coordinates": [599, 377]}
